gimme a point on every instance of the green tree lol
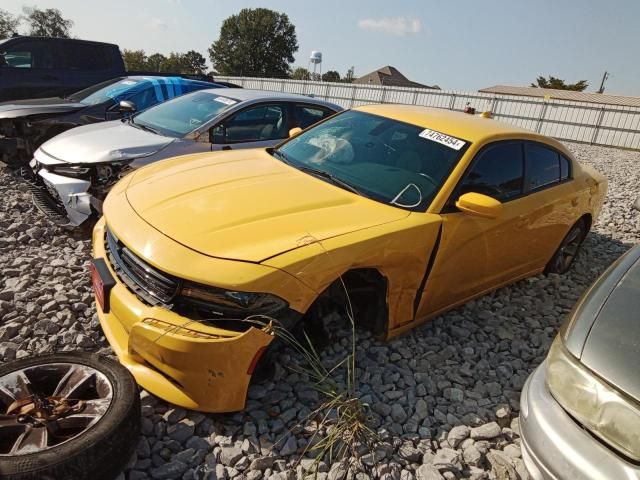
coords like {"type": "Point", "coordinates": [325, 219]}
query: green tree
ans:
{"type": "Point", "coordinates": [301, 73]}
{"type": "Point", "coordinates": [195, 62]}
{"type": "Point", "coordinates": [176, 63]}
{"type": "Point", "coordinates": [47, 23]}
{"type": "Point", "coordinates": [134, 60]}
{"type": "Point", "coordinates": [331, 76]}
{"type": "Point", "coordinates": [155, 62]}
{"type": "Point", "coordinates": [8, 24]}
{"type": "Point", "coordinates": [553, 82]}
{"type": "Point", "coordinates": [255, 42]}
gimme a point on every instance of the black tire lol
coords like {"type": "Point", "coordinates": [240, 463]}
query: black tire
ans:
{"type": "Point", "coordinates": [98, 453]}
{"type": "Point", "coordinates": [568, 250]}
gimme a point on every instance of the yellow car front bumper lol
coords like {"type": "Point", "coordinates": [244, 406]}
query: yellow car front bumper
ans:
{"type": "Point", "coordinates": [184, 362]}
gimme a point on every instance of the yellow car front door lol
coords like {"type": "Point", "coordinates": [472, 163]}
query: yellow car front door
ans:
{"type": "Point", "coordinates": [477, 254]}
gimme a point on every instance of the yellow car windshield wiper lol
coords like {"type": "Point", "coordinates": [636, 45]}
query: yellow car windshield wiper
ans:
{"type": "Point", "coordinates": [282, 156]}
{"type": "Point", "coordinates": [318, 173]}
{"type": "Point", "coordinates": [333, 179]}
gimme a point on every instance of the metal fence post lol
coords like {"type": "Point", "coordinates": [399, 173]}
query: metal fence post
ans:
{"type": "Point", "coordinates": [353, 95]}
{"type": "Point", "coordinates": [452, 101]}
{"type": "Point", "coordinates": [541, 117]}
{"type": "Point", "coordinates": [494, 106]}
{"type": "Point", "coordinates": [597, 128]}
{"type": "Point", "coordinates": [384, 95]}
{"type": "Point", "coordinates": [326, 92]}
{"type": "Point", "coordinates": [415, 97]}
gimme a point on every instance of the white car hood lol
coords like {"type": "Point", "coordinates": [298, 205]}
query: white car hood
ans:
{"type": "Point", "coordinates": [104, 142]}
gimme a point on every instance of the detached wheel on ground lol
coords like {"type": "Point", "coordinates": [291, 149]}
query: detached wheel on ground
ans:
{"type": "Point", "coordinates": [568, 250]}
{"type": "Point", "coordinates": [67, 416]}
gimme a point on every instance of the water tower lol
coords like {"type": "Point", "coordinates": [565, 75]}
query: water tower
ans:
{"type": "Point", "coordinates": [316, 60]}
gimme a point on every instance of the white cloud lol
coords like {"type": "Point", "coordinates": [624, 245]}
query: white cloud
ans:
{"type": "Point", "coordinates": [394, 25]}
{"type": "Point", "coordinates": [159, 24]}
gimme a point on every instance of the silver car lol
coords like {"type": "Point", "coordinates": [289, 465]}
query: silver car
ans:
{"type": "Point", "coordinates": [580, 410]}
{"type": "Point", "coordinates": [73, 171]}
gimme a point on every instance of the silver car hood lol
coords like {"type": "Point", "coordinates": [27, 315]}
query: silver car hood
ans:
{"type": "Point", "coordinates": [104, 142]}
{"type": "Point", "coordinates": [603, 330]}
{"type": "Point", "coordinates": [613, 344]}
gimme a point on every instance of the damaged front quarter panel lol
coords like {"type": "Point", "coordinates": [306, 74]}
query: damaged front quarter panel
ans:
{"type": "Point", "coordinates": [398, 250]}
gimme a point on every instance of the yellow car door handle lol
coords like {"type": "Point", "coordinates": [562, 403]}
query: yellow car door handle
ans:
{"type": "Point", "coordinates": [522, 222]}
{"type": "Point", "coordinates": [574, 202]}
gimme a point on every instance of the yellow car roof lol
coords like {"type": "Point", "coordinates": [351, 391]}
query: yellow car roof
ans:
{"type": "Point", "coordinates": [461, 125]}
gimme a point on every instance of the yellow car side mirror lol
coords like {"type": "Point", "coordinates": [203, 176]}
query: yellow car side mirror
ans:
{"type": "Point", "coordinates": [294, 131]}
{"type": "Point", "coordinates": [480, 205]}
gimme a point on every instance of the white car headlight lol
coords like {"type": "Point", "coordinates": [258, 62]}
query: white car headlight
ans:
{"type": "Point", "coordinates": [598, 406]}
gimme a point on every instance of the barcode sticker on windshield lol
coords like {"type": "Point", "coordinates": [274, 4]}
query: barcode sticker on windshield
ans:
{"type": "Point", "coordinates": [225, 100]}
{"type": "Point", "coordinates": [451, 142]}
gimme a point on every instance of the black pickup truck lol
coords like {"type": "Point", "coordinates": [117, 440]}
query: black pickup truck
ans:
{"type": "Point", "coordinates": [39, 67]}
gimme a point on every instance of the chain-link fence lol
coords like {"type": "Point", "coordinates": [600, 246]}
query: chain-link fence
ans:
{"type": "Point", "coordinates": [596, 124]}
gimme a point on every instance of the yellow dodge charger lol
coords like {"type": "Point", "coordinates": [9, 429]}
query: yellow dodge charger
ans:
{"type": "Point", "coordinates": [415, 210]}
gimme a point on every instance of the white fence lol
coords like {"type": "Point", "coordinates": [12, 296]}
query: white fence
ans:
{"type": "Point", "coordinates": [592, 123]}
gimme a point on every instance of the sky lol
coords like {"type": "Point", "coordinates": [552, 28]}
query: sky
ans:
{"type": "Point", "coordinates": [456, 44]}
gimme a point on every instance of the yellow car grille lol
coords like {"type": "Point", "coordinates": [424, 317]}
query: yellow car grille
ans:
{"type": "Point", "coordinates": [146, 282]}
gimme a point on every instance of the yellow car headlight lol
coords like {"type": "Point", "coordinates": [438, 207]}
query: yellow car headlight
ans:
{"type": "Point", "coordinates": [599, 407]}
{"type": "Point", "coordinates": [232, 303]}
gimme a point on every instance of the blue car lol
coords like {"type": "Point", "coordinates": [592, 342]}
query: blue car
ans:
{"type": "Point", "coordinates": [27, 124]}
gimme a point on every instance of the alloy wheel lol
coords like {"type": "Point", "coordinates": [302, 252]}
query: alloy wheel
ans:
{"type": "Point", "coordinates": [44, 406]}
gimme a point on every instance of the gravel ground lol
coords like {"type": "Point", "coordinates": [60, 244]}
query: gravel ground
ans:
{"type": "Point", "coordinates": [444, 398]}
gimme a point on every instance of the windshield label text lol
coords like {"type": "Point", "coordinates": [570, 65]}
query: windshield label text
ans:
{"type": "Point", "coordinates": [225, 100]}
{"type": "Point", "coordinates": [451, 142]}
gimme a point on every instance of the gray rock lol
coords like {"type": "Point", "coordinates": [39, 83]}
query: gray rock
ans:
{"type": "Point", "coordinates": [428, 472]}
{"type": "Point", "coordinates": [512, 451]}
{"type": "Point", "coordinates": [501, 466]}
{"type": "Point", "coordinates": [409, 452]}
{"type": "Point", "coordinates": [398, 414]}
{"type": "Point", "coordinates": [198, 443]}
{"type": "Point", "coordinates": [174, 415]}
{"type": "Point", "coordinates": [421, 409]}
{"type": "Point", "coordinates": [472, 456]}
{"type": "Point", "coordinates": [447, 459]}
{"type": "Point", "coordinates": [487, 431]}
{"type": "Point", "coordinates": [261, 463]}
{"type": "Point", "coordinates": [169, 471]}
{"type": "Point", "coordinates": [457, 435]}
{"type": "Point", "coordinates": [182, 430]}
{"type": "Point", "coordinates": [290, 446]}
{"type": "Point", "coordinates": [230, 455]}
{"type": "Point", "coordinates": [338, 471]}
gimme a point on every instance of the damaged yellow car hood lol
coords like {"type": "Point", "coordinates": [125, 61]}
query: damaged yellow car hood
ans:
{"type": "Point", "coordinates": [246, 205]}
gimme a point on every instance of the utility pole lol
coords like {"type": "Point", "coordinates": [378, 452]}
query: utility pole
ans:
{"type": "Point", "coordinates": [604, 79]}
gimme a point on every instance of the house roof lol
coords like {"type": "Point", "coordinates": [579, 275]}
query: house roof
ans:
{"type": "Point", "coordinates": [388, 76]}
{"type": "Point", "coordinates": [564, 95]}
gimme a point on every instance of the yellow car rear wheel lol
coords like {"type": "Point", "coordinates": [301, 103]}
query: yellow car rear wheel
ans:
{"type": "Point", "coordinates": [568, 250]}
